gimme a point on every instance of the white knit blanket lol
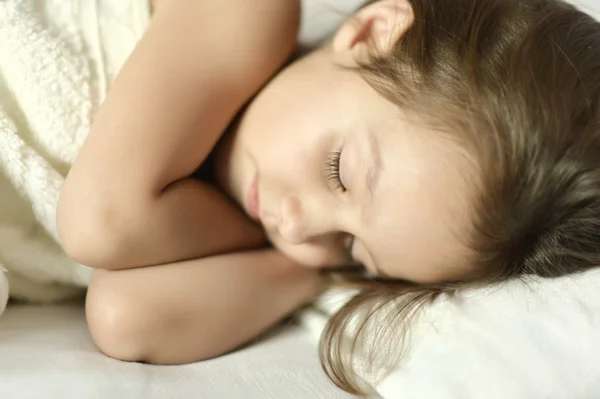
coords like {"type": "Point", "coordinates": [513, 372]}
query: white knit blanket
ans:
{"type": "Point", "coordinates": [55, 68]}
{"type": "Point", "coordinates": [45, 112]}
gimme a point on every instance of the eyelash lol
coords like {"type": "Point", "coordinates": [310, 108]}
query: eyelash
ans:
{"type": "Point", "coordinates": [332, 168]}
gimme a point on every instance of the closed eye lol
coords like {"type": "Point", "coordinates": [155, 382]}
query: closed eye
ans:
{"type": "Point", "coordinates": [332, 171]}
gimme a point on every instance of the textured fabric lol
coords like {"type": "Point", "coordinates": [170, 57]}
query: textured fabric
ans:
{"type": "Point", "coordinates": [46, 352]}
{"type": "Point", "coordinates": [520, 341]}
{"type": "Point", "coordinates": [57, 59]}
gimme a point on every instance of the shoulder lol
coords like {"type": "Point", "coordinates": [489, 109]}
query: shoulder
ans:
{"type": "Point", "coordinates": [286, 8]}
{"type": "Point", "coordinates": [248, 35]}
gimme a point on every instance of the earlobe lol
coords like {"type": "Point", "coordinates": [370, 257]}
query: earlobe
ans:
{"type": "Point", "coordinates": [374, 29]}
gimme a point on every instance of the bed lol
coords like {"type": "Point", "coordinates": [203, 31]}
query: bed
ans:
{"type": "Point", "coordinates": [47, 352]}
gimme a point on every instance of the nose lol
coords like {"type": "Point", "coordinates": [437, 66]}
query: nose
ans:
{"type": "Point", "coordinates": [300, 221]}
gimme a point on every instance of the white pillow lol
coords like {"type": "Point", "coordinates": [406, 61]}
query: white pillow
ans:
{"type": "Point", "coordinates": [517, 341]}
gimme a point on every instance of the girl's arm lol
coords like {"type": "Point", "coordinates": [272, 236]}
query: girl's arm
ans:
{"type": "Point", "coordinates": [127, 200]}
{"type": "Point", "coordinates": [194, 310]}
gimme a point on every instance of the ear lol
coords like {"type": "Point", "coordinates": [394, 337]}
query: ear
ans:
{"type": "Point", "coordinates": [374, 29]}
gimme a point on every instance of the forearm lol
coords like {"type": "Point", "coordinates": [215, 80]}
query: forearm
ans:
{"type": "Point", "coordinates": [194, 310]}
{"type": "Point", "coordinates": [189, 220]}
{"type": "Point", "coordinates": [184, 230]}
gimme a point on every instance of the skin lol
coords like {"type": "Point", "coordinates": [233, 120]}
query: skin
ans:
{"type": "Point", "coordinates": [402, 189]}
{"type": "Point", "coordinates": [175, 255]}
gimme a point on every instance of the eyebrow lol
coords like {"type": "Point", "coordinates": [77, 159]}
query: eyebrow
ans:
{"type": "Point", "coordinates": [375, 165]}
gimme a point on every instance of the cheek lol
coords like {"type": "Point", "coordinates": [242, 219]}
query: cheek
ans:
{"type": "Point", "coordinates": [286, 148]}
{"type": "Point", "coordinates": [308, 255]}
{"type": "Point", "coordinates": [419, 246]}
{"type": "Point", "coordinates": [288, 114]}
{"type": "Point", "coordinates": [273, 131]}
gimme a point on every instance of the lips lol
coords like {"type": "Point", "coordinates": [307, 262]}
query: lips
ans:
{"type": "Point", "coordinates": [252, 199]}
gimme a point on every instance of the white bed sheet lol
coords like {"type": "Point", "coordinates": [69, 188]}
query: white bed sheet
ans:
{"type": "Point", "coordinates": [47, 352]}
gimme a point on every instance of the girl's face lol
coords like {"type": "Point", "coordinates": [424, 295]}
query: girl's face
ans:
{"type": "Point", "coordinates": [335, 174]}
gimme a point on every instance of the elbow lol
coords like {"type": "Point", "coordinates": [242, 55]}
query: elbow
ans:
{"type": "Point", "coordinates": [114, 323]}
{"type": "Point", "coordinates": [124, 327]}
{"type": "Point", "coordinates": [85, 233]}
{"type": "Point", "coordinates": [84, 244]}
{"type": "Point", "coordinates": [118, 327]}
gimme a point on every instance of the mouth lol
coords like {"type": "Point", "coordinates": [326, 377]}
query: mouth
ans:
{"type": "Point", "coordinates": [253, 200]}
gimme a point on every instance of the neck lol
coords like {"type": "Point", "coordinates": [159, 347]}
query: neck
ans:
{"type": "Point", "coordinates": [223, 160]}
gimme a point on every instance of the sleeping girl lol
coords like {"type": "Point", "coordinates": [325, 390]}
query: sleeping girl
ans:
{"type": "Point", "coordinates": [438, 144]}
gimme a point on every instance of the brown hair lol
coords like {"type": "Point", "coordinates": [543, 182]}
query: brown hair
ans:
{"type": "Point", "coordinates": [518, 83]}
